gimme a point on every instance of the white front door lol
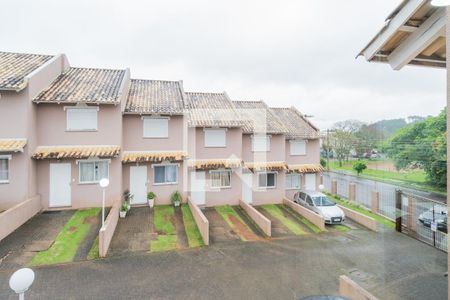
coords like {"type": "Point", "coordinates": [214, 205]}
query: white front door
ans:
{"type": "Point", "coordinates": [138, 184]}
{"type": "Point", "coordinates": [310, 181]}
{"type": "Point", "coordinates": [60, 177]}
{"type": "Point", "coordinates": [198, 187]}
{"type": "Point", "coordinates": [247, 192]}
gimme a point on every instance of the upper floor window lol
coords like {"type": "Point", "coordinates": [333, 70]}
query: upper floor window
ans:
{"type": "Point", "coordinates": [293, 181]}
{"type": "Point", "coordinates": [165, 174]}
{"type": "Point", "coordinates": [260, 143]}
{"type": "Point", "coordinates": [156, 127]}
{"type": "Point", "coordinates": [4, 168]}
{"type": "Point", "coordinates": [298, 147]}
{"type": "Point", "coordinates": [220, 179]}
{"type": "Point", "coordinates": [267, 180]}
{"type": "Point", "coordinates": [215, 137]}
{"type": "Point", "coordinates": [93, 171]}
{"type": "Point", "coordinates": [82, 118]}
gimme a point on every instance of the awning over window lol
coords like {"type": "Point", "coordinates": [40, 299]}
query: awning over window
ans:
{"type": "Point", "coordinates": [205, 164]}
{"type": "Point", "coordinates": [266, 166]}
{"type": "Point", "coordinates": [12, 145]}
{"type": "Point", "coordinates": [58, 152]}
{"type": "Point", "coordinates": [152, 156]}
{"type": "Point", "coordinates": [306, 168]}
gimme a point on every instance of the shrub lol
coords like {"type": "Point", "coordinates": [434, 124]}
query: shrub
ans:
{"type": "Point", "coordinates": [151, 195]}
{"type": "Point", "coordinates": [323, 162]}
{"type": "Point", "coordinates": [176, 197]}
{"type": "Point", "coordinates": [359, 166]}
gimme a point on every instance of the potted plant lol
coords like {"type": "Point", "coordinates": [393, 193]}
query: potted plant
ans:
{"type": "Point", "coordinates": [127, 198]}
{"type": "Point", "coordinates": [176, 198]}
{"type": "Point", "coordinates": [151, 199]}
{"type": "Point", "coordinates": [123, 210]}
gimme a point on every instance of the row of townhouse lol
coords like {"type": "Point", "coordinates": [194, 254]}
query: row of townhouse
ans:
{"type": "Point", "coordinates": [64, 128]}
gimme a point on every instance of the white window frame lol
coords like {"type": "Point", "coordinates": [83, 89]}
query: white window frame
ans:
{"type": "Point", "coordinates": [220, 172]}
{"type": "Point", "coordinates": [205, 130]}
{"type": "Point", "coordinates": [165, 134]}
{"type": "Point", "coordinates": [80, 162]}
{"type": "Point", "coordinates": [72, 108]}
{"type": "Point", "coordinates": [268, 142]}
{"type": "Point", "coordinates": [268, 187]}
{"type": "Point", "coordinates": [298, 180]}
{"type": "Point", "coordinates": [291, 147]}
{"type": "Point", "coordinates": [8, 159]}
{"type": "Point", "coordinates": [165, 165]}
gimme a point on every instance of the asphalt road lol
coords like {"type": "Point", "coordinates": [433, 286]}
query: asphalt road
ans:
{"type": "Point", "coordinates": [388, 264]}
{"type": "Point", "coordinates": [386, 186]}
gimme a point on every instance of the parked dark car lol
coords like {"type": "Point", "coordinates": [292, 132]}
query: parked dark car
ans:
{"type": "Point", "coordinates": [440, 217]}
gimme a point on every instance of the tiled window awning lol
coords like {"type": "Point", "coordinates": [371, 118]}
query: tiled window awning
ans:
{"type": "Point", "coordinates": [152, 156]}
{"type": "Point", "coordinates": [266, 166]}
{"type": "Point", "coordinates": [306, 168]}
{"type": "Point", "coordinates": [205, 164]}
{"type": "Point", "coordinates": [12, 145]}
{"type": "Point", "coordinates": [58, 152]}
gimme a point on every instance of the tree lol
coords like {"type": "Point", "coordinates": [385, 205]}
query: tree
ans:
{"type": "Point", "coordinates": [342, 138]}
{"type": "Point", "coordinates": [323, 162]}
{"type": "Point", "coordinates": [359, 167]}
{"type": "Point", "coordinates": [423, 143]}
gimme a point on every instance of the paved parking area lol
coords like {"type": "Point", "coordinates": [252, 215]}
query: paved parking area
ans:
{"type": "Point", "coordinates": [37, 234]}
{"type": "Point", "coordinates": [389, 264]}
{"type": "Point", "coordinates": [219, 230]}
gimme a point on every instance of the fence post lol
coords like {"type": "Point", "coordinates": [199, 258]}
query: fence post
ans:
{"type": "Point", "coordinates": [334, 187]}
{"type": "Point", "coordinates": [352, 191]}
{"type": "Point", "coordinates": [412, 225]}
{"type": "Point", "coordinates": [398, 210]}
{"type": "Point", "coordinates": [375, 202]}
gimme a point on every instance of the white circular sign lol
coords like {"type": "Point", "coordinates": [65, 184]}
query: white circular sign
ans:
{"type": "Point", "coordinates": [21, 280]}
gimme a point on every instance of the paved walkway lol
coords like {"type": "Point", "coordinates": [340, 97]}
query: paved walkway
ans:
{"type": "Point", "coordinates": [388, 264]}
{"type": "Point", "coordinates": [219, 230]}
{"type": "Point", "coordinates": [38, 234]}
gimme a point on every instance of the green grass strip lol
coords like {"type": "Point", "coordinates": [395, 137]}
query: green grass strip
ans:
{"type": "Point", "coordinates": [68, 240]}
{"type": "Point", "coordinates": [164, 243]}
{"type": "Point", "coordinates": [226, 212]}
{"type": "Point", "coordinates": [341, 228]}
{"type": "Point", "coordinates": [192, 232]}
{"type": "Point", "coordinates": [304, 220]}
{"type": "Point", "coordinates": [358, 208]}
{"type": "Point", "coordinates": [93, 253]}
{"type": "Point", "coordinates": [163, 216]}
{"type": "Point", "coordinates": [277, 213]}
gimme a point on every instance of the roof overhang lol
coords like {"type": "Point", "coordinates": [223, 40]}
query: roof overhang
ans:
{"type": "Point", "coordinates": [414, 34]}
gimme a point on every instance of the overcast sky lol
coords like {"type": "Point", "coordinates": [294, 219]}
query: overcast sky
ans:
{"type": "Point", "coordinates": [288, 53]}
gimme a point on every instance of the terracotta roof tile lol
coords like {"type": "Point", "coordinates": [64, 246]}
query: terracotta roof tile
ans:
{"type": "Point", "coordinates": [155, 97]}
{"type": "Point", "coordinates": [266, 166]}
{"type": "Point", "coordinates": [297, 125]}
{"type": "Point", "coordinates": [69, 151]}
{"type": "Point", "coordinates": [206, 164]}
{"type": "Point", "coordinates": [152, 156]}
{"type": "Point", "coordinates": [211, 110]}
{"type": "Point", "coordinates": [258, 118]}
{"type": "Point", "coordinates": [12, 145]}
{"type": "Point", "coordinates": [85, 85]}
{"type": "Point", "coordinates": [306, 168]}
{"type": "Point", "coordinates": [14, 67]}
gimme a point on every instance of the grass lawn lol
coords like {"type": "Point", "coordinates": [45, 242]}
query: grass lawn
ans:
{"type": "Point", "coordinates": [341, 228]}
{"type": "Point", "coordinates": [163, 216]}
{"type": "Point", "coordinates": [192, 232]}
{"type": "Point", "coordinates": [93, 253]}
{"type": "Point", "coordinates": [68, 240]}
{"type": "Point", "coordinates": [226, 212]}
{"type": "Point", "coordinates": [416, 178]}
{"type": "Point", "coordinates": [277, 213]}
{"type": "Point", "coordinates": [364, 211]}
{"type": "Point", "coordinates": [305, 221]}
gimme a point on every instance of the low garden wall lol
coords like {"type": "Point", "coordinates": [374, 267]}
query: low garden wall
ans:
{"type": "Point", "coordinates": [201, 221]}
{"type": "Point", "coordinates": [17, 215]}
{"type": "Point", "coordinates": [359, 218]}
{"type": "Point", "coordinates": [257, 217]}
{"type": "Point", "coordinates": [106, 233]}
{"type": "Point", "coordinates": [311, 216]}
{"type": "Point", "coordinates": [350, 289]}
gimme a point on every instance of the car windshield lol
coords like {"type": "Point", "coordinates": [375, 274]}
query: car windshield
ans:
{"type": "Point", "coordinates": [322, 201]}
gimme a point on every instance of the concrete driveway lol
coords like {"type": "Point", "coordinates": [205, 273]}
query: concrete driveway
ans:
{"type": "Point", "coordinates": [388, 264]}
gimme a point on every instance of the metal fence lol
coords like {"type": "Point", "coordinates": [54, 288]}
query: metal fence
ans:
{"type": "Point", "coordinates": [416, 210]}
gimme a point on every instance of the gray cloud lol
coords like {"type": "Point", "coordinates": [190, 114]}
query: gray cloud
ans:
{"type": "Point", "coordinates": [287, 52]}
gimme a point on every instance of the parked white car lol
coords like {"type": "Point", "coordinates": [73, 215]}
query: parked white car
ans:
{"type": "Point", "coordinates": [321, 204]}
